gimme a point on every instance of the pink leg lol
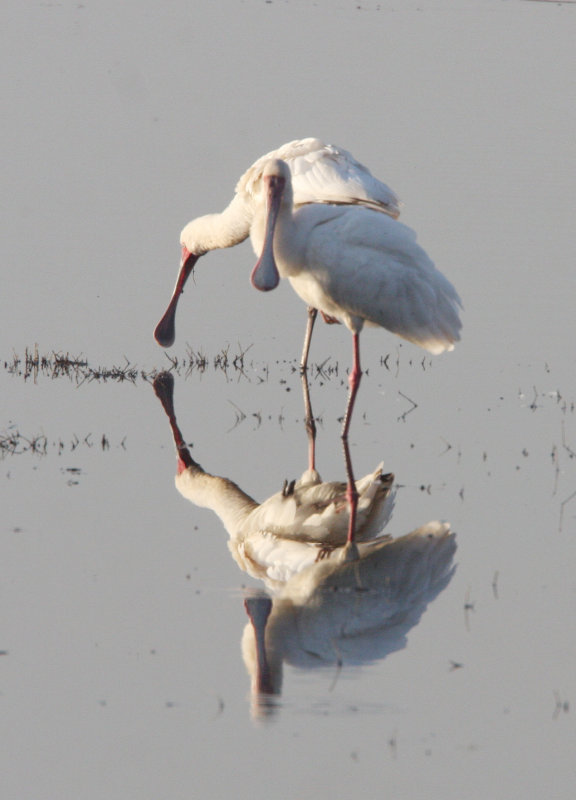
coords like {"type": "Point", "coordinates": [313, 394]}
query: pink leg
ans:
{"type": "Point", "coordinates": [310, 423]}
{"type": "Point", "coordinates": [354, 381]}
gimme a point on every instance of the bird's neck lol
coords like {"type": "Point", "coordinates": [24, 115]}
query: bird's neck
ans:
{"type": "Point", "coordinates": [213, 231]}
{"type": "Point", "coordinates": [220, 495]}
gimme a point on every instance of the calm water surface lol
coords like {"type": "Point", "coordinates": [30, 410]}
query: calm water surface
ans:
{"type": "Point", "coordinates": [122, 673]}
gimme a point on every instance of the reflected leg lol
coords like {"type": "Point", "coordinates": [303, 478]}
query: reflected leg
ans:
{"type": "Point", "coordinates": [351, 491]}
{"type": "Point", "coordinates": [309, 421]}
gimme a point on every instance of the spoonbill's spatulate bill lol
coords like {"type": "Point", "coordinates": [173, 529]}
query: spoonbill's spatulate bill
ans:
{"type": "Point", "coordinates": [354, 265]}
{"type": "Point", "coordinates": [321, 173]}
{"type": "Point", "coordinates": [304, 522]}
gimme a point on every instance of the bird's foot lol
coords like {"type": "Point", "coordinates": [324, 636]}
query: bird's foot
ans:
{"type": "Point", "coordinates": [325, 551]}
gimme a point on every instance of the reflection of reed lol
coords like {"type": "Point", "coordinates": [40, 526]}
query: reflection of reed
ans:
{"type": "Point", "coordinates": [304, 522]}
{"type": "Point", "coordinates": [346, 613]}
{"type": "Point", "coordinates": [13, 443]}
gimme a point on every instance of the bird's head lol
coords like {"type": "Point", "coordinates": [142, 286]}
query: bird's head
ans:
{"type": "Point", "coordinates": [275, 179]}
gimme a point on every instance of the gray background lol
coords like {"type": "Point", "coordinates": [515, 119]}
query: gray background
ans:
{"type": "Point", "coordinates": [121, 674]}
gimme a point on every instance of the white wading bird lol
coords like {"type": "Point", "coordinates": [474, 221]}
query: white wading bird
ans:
{"type": "Point", "coordinates": [321, 173]}
{"type": "Point", "coordinates": [305, 522]}
{"type": "Point", "coordinates": [356, 266]}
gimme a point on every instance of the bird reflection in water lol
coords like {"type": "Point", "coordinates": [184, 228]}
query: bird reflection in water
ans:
{"type": "Point", "coordinates": [330, 607]}
{"type": "Point", "coordinates": [345, 613]}
{"type": "Point", "coordinates": [305, 522]}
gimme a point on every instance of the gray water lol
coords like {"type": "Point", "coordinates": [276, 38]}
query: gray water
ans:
{"type": "Point", "coordinates": [121, 674]}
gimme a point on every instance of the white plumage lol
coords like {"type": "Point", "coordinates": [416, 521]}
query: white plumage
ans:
{"type": "Point", "coordinates": [278, 538]}
{"type": "Point", "coordinates": [338, 613]}
{"type": "Point", "coordinates": [321, 173]}
{"type": "Point", "coordinates": [306, 521]}
{"type": "Point", "coordinates": [356, 266]}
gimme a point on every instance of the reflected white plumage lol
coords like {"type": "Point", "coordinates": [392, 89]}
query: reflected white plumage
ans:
{"type": "Point", "coordinates": [321, 173]}
{"type": "Point", "coordinates": [305, 522]}
{"type": "Point", "coordinates": [356, 266]}
{"type": "Point", "coordinates": [346, 613]}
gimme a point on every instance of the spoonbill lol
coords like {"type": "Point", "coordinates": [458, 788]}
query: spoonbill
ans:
{"type": "Point", "coordinates": [306, 521]}
{"type": "Point", "coordinates": [321, 173]}
{"type": "Point", "coordinates": [357, 267]}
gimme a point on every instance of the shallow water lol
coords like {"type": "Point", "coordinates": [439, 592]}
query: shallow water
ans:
{"type": "Point", "coordinates": [121, 667]}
